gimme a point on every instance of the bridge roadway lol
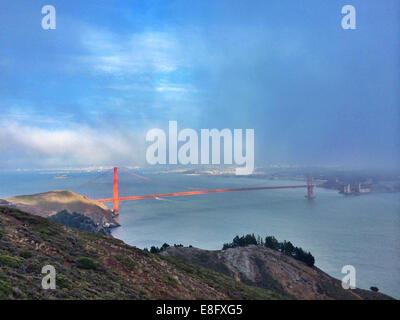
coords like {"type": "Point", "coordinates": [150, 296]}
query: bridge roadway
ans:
{"type": "Point", "coordinates": [189, 193]}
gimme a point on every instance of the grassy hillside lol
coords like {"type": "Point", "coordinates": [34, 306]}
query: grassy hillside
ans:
{"type": "Point", "coordinates": [91, 266]}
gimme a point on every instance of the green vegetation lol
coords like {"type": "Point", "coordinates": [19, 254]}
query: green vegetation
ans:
{"type": "Point", "coordinates": [63, 282]}
{"type": "Point", "coordinates": [46, 234]}
{"type": "Point", "coordinates": [154, 249]}
{"type": "Point", "coordinates": [125, 261]}
{"type": "Point", "coordinates": [286, 247]}
{"type": "Point", "coordinates": [9, 261]}
{"type": "Point", "coordinates": [74, 220]}
{"type": "Point", "coordinates": [5, 289]}
{"type": "Point", "coordinates": [93, 266]}
{"type": "Point", "coordinates": [86, 263]}
{"type": "Point", "coordinates": [26, 254]}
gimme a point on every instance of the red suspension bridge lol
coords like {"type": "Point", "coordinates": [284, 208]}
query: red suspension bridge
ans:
{"type": "Point", "coordinates": [116, 199]}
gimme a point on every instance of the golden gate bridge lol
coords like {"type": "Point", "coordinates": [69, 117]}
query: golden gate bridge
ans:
{"type": "Point", "coordinates": [116, 198]}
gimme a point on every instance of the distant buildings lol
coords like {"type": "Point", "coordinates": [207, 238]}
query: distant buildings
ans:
{"type": "Point", "coordinates": [363, 189]}
{"type": "Point", "coordinates": [355, 189]}
{"type": "Point", "coordinates": [347, 189]}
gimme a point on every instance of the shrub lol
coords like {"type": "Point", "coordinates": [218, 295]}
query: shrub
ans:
{"type": "Point", "coordinates": [125, 261]}
{"type": "Point", "coordinates": [25, 253]}
{"type": "Point", "coordinates": [34, 267]}
{"type": "Point", "coordinates": [74, 220]}
{"type": "Point", "coordinates": [375, 289]}
{"type": "Point", "coordinates": [9, 261]}
{"type": "Point", "coordinates": [62, 281]}
{"type": "Point", "coordinates": [86, 263]}
{"type": "Point", "coordinates": [5, 290]}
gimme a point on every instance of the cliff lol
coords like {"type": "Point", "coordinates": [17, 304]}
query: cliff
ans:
{"type": "Point", "coordinates": [270, 269]}
{"type": "Point", "coordinates": [49, 204]}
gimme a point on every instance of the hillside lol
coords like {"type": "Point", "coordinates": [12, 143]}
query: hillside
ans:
{"type": "Point", "coordinates": [91, 266]}
{"type": "Point", "coordinates": [50, 203]}
{"type": "Point", "coordinates": [270, 269]}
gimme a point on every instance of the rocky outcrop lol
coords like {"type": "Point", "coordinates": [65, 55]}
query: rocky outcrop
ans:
{"type": "Point", "coordinates": [270, 269]}
{"type": "Point", "coordinates": [48, 204]}
{"type": "Point", "coordinates": [79, 221]}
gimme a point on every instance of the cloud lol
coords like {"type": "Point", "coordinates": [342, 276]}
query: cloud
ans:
{"type": "Point", "coordinates": [136, 53]}
{"type": "Point", "coordinates": [170, 89]}
{"type": "Point", "coordinates": [36, 147]}
{"type": "Point", "coordinates": [160, 87]}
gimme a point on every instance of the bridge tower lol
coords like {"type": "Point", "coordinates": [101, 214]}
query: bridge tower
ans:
{"type": "Point", "coordinates": [115, 193]}
{"type": "Point", "coordinates": [310, 187]}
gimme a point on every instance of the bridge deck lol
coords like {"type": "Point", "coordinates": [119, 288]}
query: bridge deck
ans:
{"type": "Point", "coordinates": [189, 193]}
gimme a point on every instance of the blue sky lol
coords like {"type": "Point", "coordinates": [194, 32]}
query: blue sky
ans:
{"type": "Point", "coordinates": [86, 93]}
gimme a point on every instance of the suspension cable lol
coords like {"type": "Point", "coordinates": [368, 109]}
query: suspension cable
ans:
{"type": "Point", "coordinates": [92, 180]}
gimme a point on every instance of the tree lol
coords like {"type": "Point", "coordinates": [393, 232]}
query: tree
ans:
{"type": "Point", "coordinates": [164, 246]}
{"type": "Point", "coordinates": [154, 249]}
{"type": "Point", "coordinates": [249, 239]}
{"type": "Point", "coordinates": [287, 248]}
{"type": "Point", "coordinates": [309, 260]}
{"type": "Point", "coordinates": [236, 242]}
{"type": "Point", "coordinates": [272, 243]}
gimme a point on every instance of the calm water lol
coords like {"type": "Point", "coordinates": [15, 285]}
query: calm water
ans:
{"type": "Point", "coordinates": [362, 231]}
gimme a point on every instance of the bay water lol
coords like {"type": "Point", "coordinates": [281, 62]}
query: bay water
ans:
{"type": "Point", "coordinates": [362, 231]}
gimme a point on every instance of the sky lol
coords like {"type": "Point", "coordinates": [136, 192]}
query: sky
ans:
{"type": "Point", "coordinates": [86, 93]}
